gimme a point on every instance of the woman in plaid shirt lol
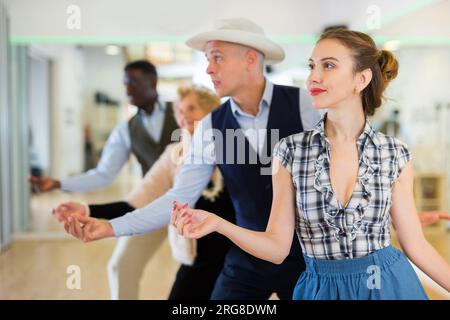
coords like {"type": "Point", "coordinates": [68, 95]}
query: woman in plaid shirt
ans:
{"type": "Point", "coordinates": [339, 186]}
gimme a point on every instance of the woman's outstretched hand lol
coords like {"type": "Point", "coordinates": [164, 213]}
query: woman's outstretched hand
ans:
{"type": "Point", "coordinates": [88, 229]}
{"type": "Point", "coordinates": [66, 209]}
{"type": "Point", "coordinates": [193, 223]}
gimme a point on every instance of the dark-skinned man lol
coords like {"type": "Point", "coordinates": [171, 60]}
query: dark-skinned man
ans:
{"type": "Point", "coordinates": [145, 135]}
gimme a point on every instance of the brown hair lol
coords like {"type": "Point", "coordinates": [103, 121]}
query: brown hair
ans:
{"type": "Point", "coordinates": [205, 97]}
{"type": "Point", "coordinates": [366, 55]}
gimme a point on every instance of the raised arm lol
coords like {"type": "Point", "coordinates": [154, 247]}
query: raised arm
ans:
{"type": "Point", "coordinates": [272, 245]}
{"type": "Point", "coordinates": [410, 234]}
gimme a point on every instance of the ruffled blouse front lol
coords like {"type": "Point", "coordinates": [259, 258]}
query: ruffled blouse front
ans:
{"type": "Point", "coordinates": [326, 228]}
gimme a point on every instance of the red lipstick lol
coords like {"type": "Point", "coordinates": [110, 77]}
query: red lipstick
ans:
{"type": "Point", "coordinates": [316, 91]}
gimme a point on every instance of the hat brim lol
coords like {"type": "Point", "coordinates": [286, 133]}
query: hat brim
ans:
{"type": "Point", "coordinates": [273, 53]}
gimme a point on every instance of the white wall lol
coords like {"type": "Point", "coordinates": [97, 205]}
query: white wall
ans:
{"type": "Point", "coordinates": [103, 73]}
{"type": "Point", "coordinates": [67, 113]}
{"type": "Point", "coordinates": [67, 69]}
{"type": "Point", "coordinates": [421, 86]}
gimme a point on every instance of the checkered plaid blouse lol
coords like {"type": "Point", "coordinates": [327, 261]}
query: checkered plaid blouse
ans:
{"type": "Point", "coordinates": [327, 229]}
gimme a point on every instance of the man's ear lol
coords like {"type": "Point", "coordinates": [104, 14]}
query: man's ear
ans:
{"type": "Point", "coordinates": [252, 59]}
{"type": "Point", "coordinates": [154, 81]}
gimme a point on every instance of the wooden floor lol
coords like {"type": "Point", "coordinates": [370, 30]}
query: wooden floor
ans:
{"type": "Point", "coordinates": [35, 266]}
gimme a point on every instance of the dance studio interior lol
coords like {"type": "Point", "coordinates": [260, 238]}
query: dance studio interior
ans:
{"type": "Point", "coordinates": [62, 93]}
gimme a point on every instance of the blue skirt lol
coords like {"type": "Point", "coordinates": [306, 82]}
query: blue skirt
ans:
{"type": "Point", "coordinates": [385, 274]}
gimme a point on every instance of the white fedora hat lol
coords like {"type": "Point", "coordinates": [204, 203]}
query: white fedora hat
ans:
{"type": "Point", "coordinates": [241, 31]}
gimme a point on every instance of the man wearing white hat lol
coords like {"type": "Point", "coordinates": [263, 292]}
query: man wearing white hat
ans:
{"type": "Point", "coordinates": [237, 50]}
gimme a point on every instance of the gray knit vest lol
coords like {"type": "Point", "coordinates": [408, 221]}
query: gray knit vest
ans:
{"type": "Point", "coordinates": [143, 146]}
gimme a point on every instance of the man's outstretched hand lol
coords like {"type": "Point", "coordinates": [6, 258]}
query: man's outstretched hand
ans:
{"type": "Point", "coordinates": [44, 184]}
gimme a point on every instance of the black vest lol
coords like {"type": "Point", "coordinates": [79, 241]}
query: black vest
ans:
{"type": "Point", "coordinates": [251, 192]}
{"type": "Point", "coordinates": [147, 150]}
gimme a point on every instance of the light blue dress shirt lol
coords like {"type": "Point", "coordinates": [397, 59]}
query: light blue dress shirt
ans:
{"type": "Point", "coordinates": [199, 164]}
{"type": "Point", "coordinates": [115, 153]}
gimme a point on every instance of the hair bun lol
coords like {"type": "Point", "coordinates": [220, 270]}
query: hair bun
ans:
{"type": "Point", "coordinates": [388, 65]}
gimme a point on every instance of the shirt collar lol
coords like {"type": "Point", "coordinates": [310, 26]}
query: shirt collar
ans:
{"type": "Point", "coordinates": [159, 107]}
{"type": "Point", "coordinates": [368, 133]}
{"type": "Point", "coordinates": [265, 101]}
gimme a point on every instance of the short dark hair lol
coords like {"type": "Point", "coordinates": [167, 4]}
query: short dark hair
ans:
{"type": "Point", "coordinates": [143, 65]}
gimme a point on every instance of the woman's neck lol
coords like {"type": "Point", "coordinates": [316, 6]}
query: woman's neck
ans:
{"type": "Point", "coordinates": [345, 122]}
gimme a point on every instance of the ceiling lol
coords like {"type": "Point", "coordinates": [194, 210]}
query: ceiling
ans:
{"type": "Point", "coordinates": [143, 21]}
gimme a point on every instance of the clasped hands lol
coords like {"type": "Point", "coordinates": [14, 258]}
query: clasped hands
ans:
{"type": "Point", "coordinates": [78, 224]}
{"type": "Point", "coordinates": [193, 223]}
{"type": "Point", "coordinates": [190, 223]}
